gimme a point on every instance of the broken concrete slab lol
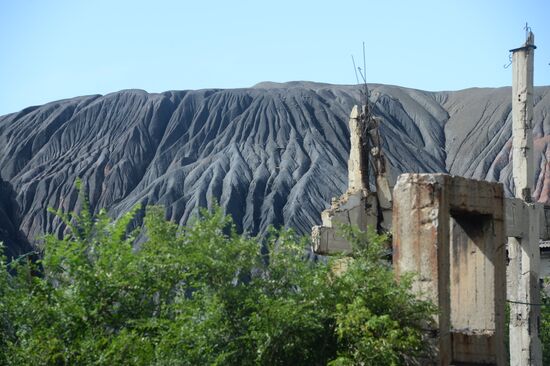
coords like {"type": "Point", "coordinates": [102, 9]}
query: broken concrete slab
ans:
{"type": "Point", "coordinates": [357, 209]}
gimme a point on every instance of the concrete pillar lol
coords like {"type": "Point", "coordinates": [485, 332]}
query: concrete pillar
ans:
{"type": "Point", "coordinates": [523, 277]}
{"type": "Point", "coordinates": [522, 118]}
{"type": "Point", "coordinates": [449, 232]}
{"type": "Point", "coordinates": [356, 207]}
{"type": "Point", "coordinates": [357, 162]}
{"type": "Point", "coordinates": [523, 249]}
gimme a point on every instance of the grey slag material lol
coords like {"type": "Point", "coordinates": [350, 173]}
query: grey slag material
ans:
{"type": "Point", "coordinates": [449, 231]}
{"type": "Point", "coordinates": [274, 154]}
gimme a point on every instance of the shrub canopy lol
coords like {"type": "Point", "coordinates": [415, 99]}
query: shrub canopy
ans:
{"type": "Point", "coordinates": [203, 295]}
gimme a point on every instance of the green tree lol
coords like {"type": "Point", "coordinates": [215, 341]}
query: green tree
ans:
{"type": "Point", "coordinates": [202, 295]}
{"type": "Point", "coordinates": [545, 324]}
{"type": "Point", "coordinates": [378, 321]}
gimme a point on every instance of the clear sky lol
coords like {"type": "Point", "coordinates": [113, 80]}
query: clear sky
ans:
{"type": "Point", "coordinates": [57, 49]}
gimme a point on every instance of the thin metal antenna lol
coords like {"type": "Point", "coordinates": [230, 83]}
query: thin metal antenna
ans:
{"type": "Point", "coordinates": [355, 69]}
{"type": "Point", "coordinates": [370, 134]}
{"type": "Point", "coordinates": [364, 61]}
{"type": "Point", "coordinates": [365, 76]}
{"type": "Point", "coordinates": [362, 75]}
{"type": "Point", "coordinates": [366, 119]}
{"type": "Point", "coordinates": [364, 91]}
{"type": "Point", "coordinates": [366, 110]}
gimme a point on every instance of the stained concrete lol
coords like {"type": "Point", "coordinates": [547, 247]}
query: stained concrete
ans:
{"type": "Point", "coordinates": [357, 206]}
{"type": "Point", "coordinates": [449, 231]}
{"type": "Point", "coordinates": [523, 245]}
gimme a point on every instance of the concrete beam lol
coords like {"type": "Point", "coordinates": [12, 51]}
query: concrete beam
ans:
{"type": "Point", "coordinates": [517, 217]}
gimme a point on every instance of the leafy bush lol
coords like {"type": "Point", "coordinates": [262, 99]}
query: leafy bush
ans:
{"type": "Point", "coordinates": [378, 320]}
{"type": "Point", "coordinates": [545, 324]}
{"type": "Point", "coordinates": [202, 295]}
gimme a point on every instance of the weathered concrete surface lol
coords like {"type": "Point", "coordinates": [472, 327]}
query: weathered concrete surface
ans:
{"type": "Point", "coordinates": [517, 215]}
{"type": "Point", "coordinates": [385, 201]}
{"type": "Point", "coordinates": [352, 208]}
{"type": "Point", "coordinates": [357, 162]}
{"type": "Point", "coordinates": [522, 119]}
{"type": "Point", "coordinates": [523, 245]}
{"type": "Point", "coordinates": [381, 174]}
{"type": "Point", "coordinates": [357, 206]}
{"type": "Point", "coordinates": [523, 290]}
{"type": "Point", "coordinates": [545, 224]}
{"type": "Point", "coordinates": [450, 232]}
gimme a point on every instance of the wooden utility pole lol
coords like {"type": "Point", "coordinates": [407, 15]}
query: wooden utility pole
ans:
{"type": "Point", "coordinates": [523, 269]}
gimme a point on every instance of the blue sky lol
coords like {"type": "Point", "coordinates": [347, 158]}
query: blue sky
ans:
{"type": "Point", "coordinates": [59, 49]}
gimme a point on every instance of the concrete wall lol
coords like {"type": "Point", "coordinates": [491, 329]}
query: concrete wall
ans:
{"type": "Point", "coordinates": [357, 208]}
{"type": "Point", "coordinates": [449, 231]}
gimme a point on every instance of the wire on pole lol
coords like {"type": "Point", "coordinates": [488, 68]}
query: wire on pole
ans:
{"type": "Point", "coordinates": [526, 303]}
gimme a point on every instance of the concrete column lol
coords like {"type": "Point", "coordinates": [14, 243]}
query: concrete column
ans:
{"type": "Point", "coordinates": [525, 345]}
{"type": "Point", "coordinates": [522, 118]}
{"type": "Point", "coordinates": [420, 220]}
{"type": "Point", "coordinates": [357, 164]}
{"type": "Point", "coordinates": [523, 275]}
{"type": "Point", "coordinates": [524, 255]}
{"type": "Point", "coordinates": [356, 207]}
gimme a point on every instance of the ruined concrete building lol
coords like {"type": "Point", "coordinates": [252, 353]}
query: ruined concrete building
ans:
{"type": "Point", "coordinates": [358, 206]}
{"type": "Point", "coordinates": [456, 235]}
{"type": "Point", "coordinates": [449, 231]}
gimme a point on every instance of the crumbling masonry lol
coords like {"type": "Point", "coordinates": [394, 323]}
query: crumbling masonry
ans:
{"type": "Point", "coordinates": [453, 233]}
{"type": "Point", "coordinates": [358, 206]}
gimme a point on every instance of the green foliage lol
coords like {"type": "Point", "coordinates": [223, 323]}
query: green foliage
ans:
{"type": "Point", "coordinates": [545, 324]}
{"type": "Point", "coordinates": [378, 321]}
{"type": "Point", "coordinates": [202, 295]}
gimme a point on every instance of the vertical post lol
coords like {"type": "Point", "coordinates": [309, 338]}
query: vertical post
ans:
{"type": "Point", "coordinates": [525, 347]}
{"type": "Point", "coordinates": [357, 163]}
{"type": "Point", "coordinates": [522, 118]}
{"type": "Point", "coordinates": [421, 218]}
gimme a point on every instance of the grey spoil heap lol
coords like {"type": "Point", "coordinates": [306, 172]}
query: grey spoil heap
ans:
{"type": "Point", "coordinates": [269, 155]}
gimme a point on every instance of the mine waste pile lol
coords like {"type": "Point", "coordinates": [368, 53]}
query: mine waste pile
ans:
{"type": "Point", "coordinates": [270, 154]}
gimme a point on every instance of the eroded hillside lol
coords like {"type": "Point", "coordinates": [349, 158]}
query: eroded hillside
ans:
{"type": "Point", "coordinates": [271, 154]}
